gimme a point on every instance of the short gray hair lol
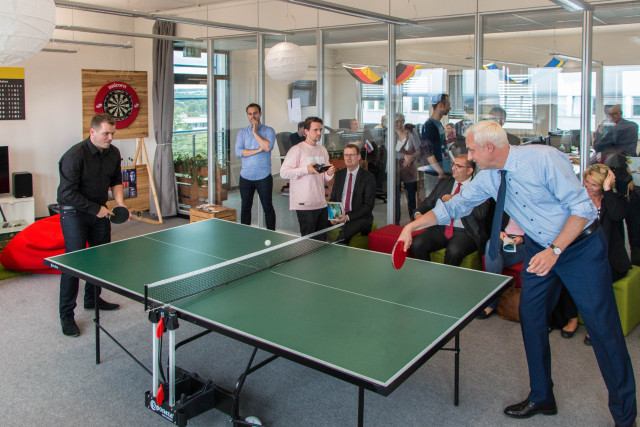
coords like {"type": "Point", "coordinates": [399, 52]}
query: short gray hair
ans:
{"type": "Point", "coordinates": [488, 131]}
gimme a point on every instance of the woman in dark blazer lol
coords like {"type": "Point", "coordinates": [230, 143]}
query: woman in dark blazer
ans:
{"type": "Point", "coordinates": [600, 182]}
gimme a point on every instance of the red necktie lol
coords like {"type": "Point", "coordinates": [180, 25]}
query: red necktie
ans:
{"type": "Point", "coordinates": [448, 231]}
{"type": "Point", "coordinates": [347, 201]}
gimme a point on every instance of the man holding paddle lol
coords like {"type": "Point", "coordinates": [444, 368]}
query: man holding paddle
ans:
{"type": "Point", "coordinates": [537, 187]}
{"type": "Point", "coordinates": [87, 171]}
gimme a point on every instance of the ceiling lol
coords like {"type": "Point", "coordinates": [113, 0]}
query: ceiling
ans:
{"type": "Point", "coordinates": [552, 18]}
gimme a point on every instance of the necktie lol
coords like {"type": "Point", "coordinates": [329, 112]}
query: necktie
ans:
{"type": "Point", "coordinates": [448, 231]}
{"type": "Point", "coordinates": [347, 201]}
{"type": "Point", "coordinates": [494, 242]}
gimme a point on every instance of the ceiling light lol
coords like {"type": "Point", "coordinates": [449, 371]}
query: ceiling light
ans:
{"type": "Point", "coordinates": [351, 11]}
{"type": "Point", "coordinates": [573, 5]}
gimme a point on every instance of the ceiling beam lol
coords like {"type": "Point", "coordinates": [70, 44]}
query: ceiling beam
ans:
{"type": "Point", "coordinates": [351, 11]}
{"type": "Point", "coordinates": [159, 17]}
{"type": "Point", "coordinates": [124, 33]}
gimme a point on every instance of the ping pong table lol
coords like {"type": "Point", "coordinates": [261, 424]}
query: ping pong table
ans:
{"type": "Point", "coordinates": [342, 311]}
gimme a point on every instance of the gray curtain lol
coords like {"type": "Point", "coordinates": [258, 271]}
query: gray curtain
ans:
{"type": "Point", "coordinates": [162, 98]}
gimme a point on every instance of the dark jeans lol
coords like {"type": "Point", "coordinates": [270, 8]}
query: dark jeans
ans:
{"type": "Point", "coordinates": [312, 221]}
{"type": "Point", "coordinates": [265, 188]}
{"type": "Point", "coordinates": [410, 189]}
{"type": "Point", "coordinates": [78, 229]}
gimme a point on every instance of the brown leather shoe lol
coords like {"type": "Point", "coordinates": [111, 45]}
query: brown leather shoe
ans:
{"type": "Point", "coordinates": [526, 409]}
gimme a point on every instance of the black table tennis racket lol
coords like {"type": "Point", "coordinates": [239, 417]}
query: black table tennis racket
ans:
{"type": "Point", "coordinates": [120, 215]}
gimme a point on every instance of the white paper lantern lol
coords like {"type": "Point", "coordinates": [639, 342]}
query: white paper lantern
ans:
{"type": "Point", "coordinates": [25, 28]}
{"type": "Point", "coordinates": [286, 62]}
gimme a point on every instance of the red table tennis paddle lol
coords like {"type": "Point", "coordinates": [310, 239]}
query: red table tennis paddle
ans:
{"type": "Point", "coordinates": [120, 215]}
{"type": "Point", "coordinates": [398, 255]}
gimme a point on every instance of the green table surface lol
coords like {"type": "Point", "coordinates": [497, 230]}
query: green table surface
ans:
{"type": "Point", "coordinates": [347, 310]}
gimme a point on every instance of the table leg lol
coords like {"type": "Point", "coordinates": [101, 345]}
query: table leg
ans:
{"type": "Point", "coordinates": [360, 406]}
{"type": "Point", "coordinates": [96, 321]}
{"type": "Point", "coordinates": [155, 360]}
{"type": "Point", "coordinates": [456, 398]}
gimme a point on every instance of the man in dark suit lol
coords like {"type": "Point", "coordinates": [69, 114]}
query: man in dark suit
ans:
{"type": "Point", "coordinates": [356, 189]}
{"type": "Point", "coordinates": [461, 237]}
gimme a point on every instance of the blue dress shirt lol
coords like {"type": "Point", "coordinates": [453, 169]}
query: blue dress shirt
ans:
{"type": "Point", "coordinates": [542, 192]}
{"type": "Point", "coordinates": [258, 166]}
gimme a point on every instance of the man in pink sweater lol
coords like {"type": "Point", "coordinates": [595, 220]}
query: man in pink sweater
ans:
{"type": "Point", "coordinates": [306, 188]}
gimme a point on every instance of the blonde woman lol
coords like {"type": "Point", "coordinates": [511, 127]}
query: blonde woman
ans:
{"type": "Point", "coordinates": [600, 183]}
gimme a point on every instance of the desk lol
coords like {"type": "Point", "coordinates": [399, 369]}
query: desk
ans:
{"type": "Point", "coordinates": [337, 320]}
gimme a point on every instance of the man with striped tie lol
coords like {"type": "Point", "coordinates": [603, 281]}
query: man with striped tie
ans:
{"type": "Point", "coordinates": [459, 237]}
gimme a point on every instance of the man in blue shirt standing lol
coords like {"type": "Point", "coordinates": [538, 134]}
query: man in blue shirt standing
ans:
{"type": "Point", "coordinates": [253, 145]}
{"type": "Point", "coordinates": [563, 244]}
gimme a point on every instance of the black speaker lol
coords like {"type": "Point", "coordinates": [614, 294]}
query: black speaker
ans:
{"type": "Point", "coordinates": [22, 184]}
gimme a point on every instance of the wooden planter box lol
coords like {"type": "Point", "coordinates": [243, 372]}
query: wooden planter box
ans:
{"type": "Point", "coordinates": [187, 192]}
{"type": "Point", "coordinates": [212, 211]}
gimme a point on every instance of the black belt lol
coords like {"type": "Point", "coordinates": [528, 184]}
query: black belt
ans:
{"type": "Point", "coordinates": [590, 229]}
{"type": "Point", "coordinates": [67, 208]}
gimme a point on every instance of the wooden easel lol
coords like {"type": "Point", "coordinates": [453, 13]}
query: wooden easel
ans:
{"type": "Point", "coordinates": [141, 149]}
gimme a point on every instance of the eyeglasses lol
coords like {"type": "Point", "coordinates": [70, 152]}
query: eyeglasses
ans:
{"type": "Point", "coordinates": [460, 166]}
{"type": "Point", "coordinates": [350, 155]}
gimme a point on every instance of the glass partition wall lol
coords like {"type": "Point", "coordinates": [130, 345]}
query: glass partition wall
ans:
{"type": "Point", "coordinates": [529, 80]}
{"type": "Point", "coordinates": [284, 118]}
{"type": "Point", "coordinates": [355, 98]}
{"type": "Point", "coordinates": [616, 35]}
{"type": "Point", "coordinates": [434, 66]}
{"type": "Point", "coordinates": [531, 77]}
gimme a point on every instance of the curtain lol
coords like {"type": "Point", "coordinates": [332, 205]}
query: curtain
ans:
{"type": "Point", "coordinates": [162, 98]}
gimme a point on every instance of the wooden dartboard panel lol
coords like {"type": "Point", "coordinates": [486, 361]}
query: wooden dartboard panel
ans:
{"type": "Point", "coordinates": [94, 80]}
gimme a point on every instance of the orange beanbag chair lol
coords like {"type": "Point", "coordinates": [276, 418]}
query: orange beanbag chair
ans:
{"type": "Point", "coordinates": [28, 249]}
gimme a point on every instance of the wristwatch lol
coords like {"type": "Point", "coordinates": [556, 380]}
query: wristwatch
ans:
{"type": "Point", "coordinates": [556, 250]}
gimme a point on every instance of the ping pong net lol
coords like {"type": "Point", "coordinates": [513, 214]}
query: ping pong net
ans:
{"type": "Point", "coordinates": [172, 290]}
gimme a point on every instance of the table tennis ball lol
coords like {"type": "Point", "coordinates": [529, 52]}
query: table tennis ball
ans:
{"type": "Point", "coordinates": [267, 242]}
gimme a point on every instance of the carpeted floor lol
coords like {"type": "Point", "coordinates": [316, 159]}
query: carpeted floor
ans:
{"type": "Point", "coordinates": [52, 380]}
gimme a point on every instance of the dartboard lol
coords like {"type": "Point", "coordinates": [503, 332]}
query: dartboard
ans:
{"type": "Point", "coordinates": [120, 100]}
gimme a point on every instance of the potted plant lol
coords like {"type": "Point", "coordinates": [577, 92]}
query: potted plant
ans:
{"type": "Point", "coordinates": [193, 170]}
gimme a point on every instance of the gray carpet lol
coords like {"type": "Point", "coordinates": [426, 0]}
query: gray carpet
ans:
{"type": "Point", "coordinates": [52, 380]}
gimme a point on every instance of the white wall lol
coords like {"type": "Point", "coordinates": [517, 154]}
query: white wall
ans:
{"type": "Point", "coordinates": [53, 99]}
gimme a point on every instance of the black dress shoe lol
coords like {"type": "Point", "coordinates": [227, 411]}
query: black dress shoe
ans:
{"type": "Point", "coordinates": [567, 334]}
{"type": "Point", "coordinates": [69, 326]}
{"type": "Point", "coordinates": [526, 409]}
{"type": "Point", "coordinates": [102, 305]}
{"type": "Point", "coordinates": [484, 315]}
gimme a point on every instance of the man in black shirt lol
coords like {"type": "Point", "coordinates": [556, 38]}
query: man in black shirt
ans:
{"type": "Point", "coordinates": [297, 137]}
{"type": "Point", "coordinates": [87, 170]}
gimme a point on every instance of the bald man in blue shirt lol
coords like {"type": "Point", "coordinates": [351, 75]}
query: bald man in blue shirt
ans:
{"type": "Point", "coordinates": [563, 244]}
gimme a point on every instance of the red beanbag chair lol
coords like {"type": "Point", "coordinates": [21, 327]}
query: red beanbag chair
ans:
{"type": "Point", "coordinates": [28, 249]}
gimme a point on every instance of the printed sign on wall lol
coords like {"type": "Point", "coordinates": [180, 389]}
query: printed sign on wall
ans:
{"type": "Point", "coordinates": [12, 93]}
